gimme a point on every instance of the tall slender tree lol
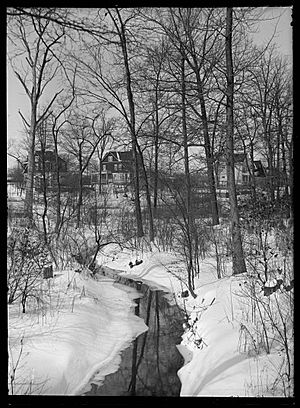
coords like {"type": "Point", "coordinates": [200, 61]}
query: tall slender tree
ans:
{"type": "Point", "coordinates": [33, 43]}
{"type": "Point", "coordinates": [238, 260]}
{"type": "Point", "coordinates": [121, 32]}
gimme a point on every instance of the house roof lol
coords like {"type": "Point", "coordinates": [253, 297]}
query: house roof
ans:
{"type": "Point", "coordinates": [239, 157]}
{"type": "Point", "coordinates": [48, 155]}
{"type": "Point", "coordinates": [120, 156]}
{"type": "Point", "coordinates": [126, 155]}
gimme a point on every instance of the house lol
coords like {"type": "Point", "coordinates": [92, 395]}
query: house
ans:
{"type": "Point", "coordinates": [45, 162]}
{"type": "Point", "coordinates": [241, 169]}
{"type": "Point", "coordinates": [14, 187]}
{"type": "Point", "coordinates": [117, 170]}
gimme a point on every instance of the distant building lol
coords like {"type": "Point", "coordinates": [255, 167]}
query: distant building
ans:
{"type": "Point", "coordinates": [241, 169]}
{"type": "Point", "coordinates": [45, 162]}
{"type": "Point", "coordinates": [117, 170]}
{"type": "Point", "coordinates": [13, 186]}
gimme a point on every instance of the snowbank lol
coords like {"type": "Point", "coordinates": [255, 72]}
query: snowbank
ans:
{"type": "Point", "coordinates": [158, 269]}
{"type": "Point", "coordinates": [215, 342]}
{"type": "Point", "coordinates": [63, 347]}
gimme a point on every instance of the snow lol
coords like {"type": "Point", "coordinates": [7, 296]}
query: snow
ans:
{"type": "Point", "coordinates": [216, 363]}
{"type": "Point", "coordinates": [65, 348]}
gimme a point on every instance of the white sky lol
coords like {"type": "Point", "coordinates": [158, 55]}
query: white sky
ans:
{"type": "Point", "coordinates": [283, 36]}
{"type": "Point", "coordinates": [18, 100]}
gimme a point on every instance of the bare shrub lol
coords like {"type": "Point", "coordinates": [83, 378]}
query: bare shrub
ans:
{"type": "Point", "coordinates": [268, 326]}
{"type": "Point", "coordinates": [218, 237]}
{"type": "Point", "coordinates": [18, 382]}
{"type": "Point", "coordinates": [27, 256]}
{"type": "Point", "coordinates": [165, 237]}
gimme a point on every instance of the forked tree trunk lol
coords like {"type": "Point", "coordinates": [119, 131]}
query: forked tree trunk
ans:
{"type": "Point", "coordinates": [238, 261]}
{"type": "Point", "coordinates": [208, 153]}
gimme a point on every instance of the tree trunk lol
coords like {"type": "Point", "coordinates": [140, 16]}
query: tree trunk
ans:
{"type": "Point", "coordinates": [58, 189]}
{"type": "Point", "coordinates": [45, 198]}
{"type": "Point", "coordinates": [148, 195]}
{"type": "Point", "coordinates": [136, 175]}
{"type": "Point", "coordinates": [188, 206]}
{"type": "Point", "coordinates": [208, 153]}
{"type": "Point", "coordinates": [148, 199]}
{"type": "Point", "coordinates": [284, 168]}
{"type": "Point", "coordinates": [270, 159]}
{"type": "Point", "coordinates": [291, 179]}
{"type": "Point", "coordinates": [29, 186]}
{"type": "Point", "coordinates": [79, 203]}
{"type": "Point", "coordinates": [238, 261]}
{"type": "Point", "coordinates": [282, 148]}
{"type": "Point", "coordinates": [57, 181]}
{"type": "Point", "coordinates": [80, 187]}
{"type": "Point", "coordinates": [156, 141]}
{"type": "Point", "coordinates": [252, 175]}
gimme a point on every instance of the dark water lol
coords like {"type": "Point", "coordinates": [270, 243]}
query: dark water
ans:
{"type": "Point", "coordinates": [149, 366]}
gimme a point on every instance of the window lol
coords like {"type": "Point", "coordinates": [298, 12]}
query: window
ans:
{"type": "Point", "coordinates": [47, 165]}
{"type": "Point", "coordinates": [120, 166]}
{"type": "Point", "coordinates": [119, 177]}
{"type": "Point", "coordinates": [104, 167]}
{"type": "Point", "coordinates": [110, 158]}
{"type": "Point", "coordinates": [94, 178]}
{"type": "Point", "coordinates": [115, 167]}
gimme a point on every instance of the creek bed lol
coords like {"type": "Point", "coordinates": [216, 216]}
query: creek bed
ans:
{"type": "Point", "coordinates": [149, 365]}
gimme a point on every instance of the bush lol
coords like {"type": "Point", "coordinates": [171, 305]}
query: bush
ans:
{"type": "Point", "coordinates": [268, 327]}
{"type": "Point", "coordinates": [27, 256]}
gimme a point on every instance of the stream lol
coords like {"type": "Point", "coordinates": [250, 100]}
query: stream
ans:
{"type": "Point", "coordinates": [149, 365]}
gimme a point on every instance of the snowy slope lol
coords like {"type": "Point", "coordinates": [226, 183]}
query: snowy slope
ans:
{"type": "Point", "coordinates": [215, 346]}
{"type": "Point", "coordinates": [82, 338]}
{"type": "Point", "coordinates": [62, 350]}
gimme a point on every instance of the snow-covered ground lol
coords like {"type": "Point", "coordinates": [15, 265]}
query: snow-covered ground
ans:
{"type": "Point", "coordinates": [63, 347]}
{"type": "Point", "coordinates": [220, 359]}
{"type": "Point", "coordinates": [82, 330]}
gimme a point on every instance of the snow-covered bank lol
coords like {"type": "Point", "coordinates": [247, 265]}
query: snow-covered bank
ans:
{"type": "Point", "coordinates": [222, 345]}
{"type": "Point", "coordinates": [82, 330]}
{"type": "Point", "coordinates": [220, 365]}
{"type": "Point", "coordinates": [83, 323]}
{"type": "Point", "coordinates": [163, 270]}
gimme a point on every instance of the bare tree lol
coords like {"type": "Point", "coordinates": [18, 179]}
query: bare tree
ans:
{"type": "Point", "coordinates": [32, 44]}
{"type": "Point", "coordinates": [42, 149]}
{"type": "Point", "coordinates": [183, 32]}
{"type": "Point", "coordinates": [238, 261]}
{"type": "Point", "coordinates": [110, 80]}
{"type": "Point", "coordinates": [58, 119]}
{"type": "Point", "coordinates": [120, 28]}
{"type": "Point", "coordinates": [81, 141]}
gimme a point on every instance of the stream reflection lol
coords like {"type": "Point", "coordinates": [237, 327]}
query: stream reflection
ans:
{"type": "Point", "coordinates": [149, 366]}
